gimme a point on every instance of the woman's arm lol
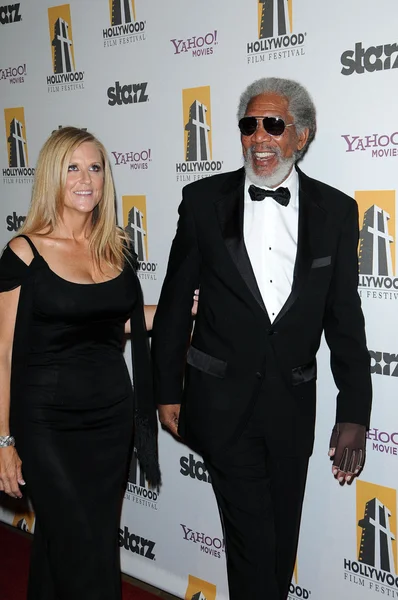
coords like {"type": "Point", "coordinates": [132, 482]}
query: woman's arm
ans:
{"type": "Point", "coordinates": [10, 463]}
{"type": "Point", "coordinates": [149, 312]}
{"type": "Point", "coordinates": [150, 309]}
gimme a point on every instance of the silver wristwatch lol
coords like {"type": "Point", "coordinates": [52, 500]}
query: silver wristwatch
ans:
{"type": "Point", "coordinates": [6, 440]}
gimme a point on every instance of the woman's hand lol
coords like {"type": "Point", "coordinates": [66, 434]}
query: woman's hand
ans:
{"type": "Point", "coordinates": [194, 309]}
{"type": "Point", "coordinates": [150, 310]}
{"type": "Point", "coordinates": [10, 472]}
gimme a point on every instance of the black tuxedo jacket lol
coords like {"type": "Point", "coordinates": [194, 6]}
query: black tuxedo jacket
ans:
{"type": "Point", "coordinates": [235, 350]}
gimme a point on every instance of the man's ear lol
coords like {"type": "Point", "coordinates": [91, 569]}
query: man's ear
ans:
{"type": "Point", "coordinates": [303, 138]}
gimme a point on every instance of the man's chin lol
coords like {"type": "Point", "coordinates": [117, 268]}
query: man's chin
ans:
{"type": "Point", "coordinates": [274, 179]}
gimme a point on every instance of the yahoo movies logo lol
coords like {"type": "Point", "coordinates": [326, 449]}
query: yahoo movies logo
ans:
{"type": "Point", "coordinates": [276, 37]}
{"type": "Point", "coordinates": [196, 111]}
{"type": "Point", "coordinates": [65, 77]}
{"type": "Point", "coordinates": [383, 442]}
{"type": "Point", "coordinates": [213, 546]}
{"type": "Point", "coordinates": [135, 224]}
{"type": "Point", "coordinates": [199, 589]}
{"type": "Point", "coordinates": [138, 489]}
{"type": "Point", "coordinates": [374, 58]}
{"type": "Point", "coordinates": [13, 74]}
{"type": "Point", "coordinates": [18, 170]}
{"type": "Point", "coordinates": [136, 160]}
{"type": "Point", "coordinates": [10, 13]}
{"type": "Point", "coordinates": [377, 244]}
{"type": "Point", "coordinates": [124, 27]}
{"type": "Point", "coordinates": [380, 146]}
{"type": "Point", "coordinates": [201, 45]}
{"type": "Point", "coordinates": [375, 565]}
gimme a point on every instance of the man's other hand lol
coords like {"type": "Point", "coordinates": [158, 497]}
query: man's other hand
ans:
{"type": "Point", "coordinates": [169, 415]}
{"type": "Point", "coordinates": [347, 447]}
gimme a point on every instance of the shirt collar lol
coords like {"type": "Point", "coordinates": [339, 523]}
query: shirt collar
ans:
{"type": "Point", "coordinates": [291, 182]}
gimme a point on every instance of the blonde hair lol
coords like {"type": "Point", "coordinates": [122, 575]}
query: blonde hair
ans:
{"type": "Point", "coordinates": [107, 241]}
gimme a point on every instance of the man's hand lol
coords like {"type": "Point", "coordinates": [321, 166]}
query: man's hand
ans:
{"type": "Point", "coordinates": [347, 446]}
{"type": "Point", "coordinates": [169, 415]}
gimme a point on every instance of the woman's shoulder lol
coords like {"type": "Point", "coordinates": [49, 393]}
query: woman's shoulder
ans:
{"type": "Point", "coordinates": [21, 247]}
{"type": "Point", "coordinates": [15, 264]}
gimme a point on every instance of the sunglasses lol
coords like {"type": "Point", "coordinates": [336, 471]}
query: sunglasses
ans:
{"type": "Point", "coordinates": [272, 125]}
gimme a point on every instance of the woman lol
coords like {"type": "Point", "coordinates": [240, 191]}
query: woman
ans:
{"type": "Point", "coordinates": [69, 294]}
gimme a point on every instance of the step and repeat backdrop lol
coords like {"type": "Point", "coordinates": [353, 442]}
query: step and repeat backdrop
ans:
{"type": "Point", "coordinates": [158, 83]}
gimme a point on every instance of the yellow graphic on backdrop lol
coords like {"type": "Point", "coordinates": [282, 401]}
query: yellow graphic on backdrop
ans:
{"type": "Point", "coordinates": [16, 137]}
{"type": "Point", "coordinates": [24, 520]}
{"type": "Point", "coordinates": [122, 11]}
{"type": "Point", "coordinates": [377, 526]}
{"type": "Point", "coordinates": [377, 232]}
{"type": "Point", "coordinates": [197, 123]}
{"type": "Point", "coordinates": [275, 17]}
{"type": "Point", "coordinates": [135, 223]}
{"type": "Point", "coordinates": [61, 38]}
{"type": "Point", "coordinates": [198, 589]}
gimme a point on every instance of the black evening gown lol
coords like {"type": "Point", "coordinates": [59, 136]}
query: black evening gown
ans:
{"type": "Point", "coordinates": [72, 418]}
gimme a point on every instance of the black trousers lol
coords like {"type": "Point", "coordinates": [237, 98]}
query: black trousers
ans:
{"type": "Point", "coordinates": [260, 497]}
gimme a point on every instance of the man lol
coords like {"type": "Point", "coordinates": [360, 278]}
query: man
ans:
{"type": "Point", "coordinates": [275, 255]}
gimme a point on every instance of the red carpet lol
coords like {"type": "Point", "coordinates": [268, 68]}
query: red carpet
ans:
{"type": "Point", "coordinates": [14, 566]}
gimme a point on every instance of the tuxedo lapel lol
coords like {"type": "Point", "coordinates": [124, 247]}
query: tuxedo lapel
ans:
{"type": "Point", "coordinates": [229, 208]}
{"type": "Point", "coordinates": [311, 230]}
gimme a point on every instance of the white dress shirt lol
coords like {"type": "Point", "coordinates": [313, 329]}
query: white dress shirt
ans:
{"type": "Point", "coordinates": [270, 233]}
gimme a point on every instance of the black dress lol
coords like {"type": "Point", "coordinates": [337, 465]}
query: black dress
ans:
{"type": "Point", "coordinates": [72, 414]}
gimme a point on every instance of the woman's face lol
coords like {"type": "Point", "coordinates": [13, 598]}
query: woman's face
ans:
{"type": "Point", "coordinates": [85, 179]}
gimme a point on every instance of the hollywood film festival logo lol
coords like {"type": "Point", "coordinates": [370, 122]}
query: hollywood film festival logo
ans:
{"type": "Point", "coordinates": [18, 170]}
{"type": "Point", "coordinates": [375, 565]}
{"type": "Point", "coordinates": [377, 244]}
{"type": "Point", "coordinates": [199, 161]}
{"type": "Point", "coordinates": [197, 45]}
{"type": "Point", "coordinates": [124, 27]}
{"type": "Point", "coordinates": [65, 77]}
{"type": "Point", "coordinates": [276, 37]}
{"type": "Point", "coordinates": [135, 224]}
{"type": "Point", "coordinates": [138, 489]}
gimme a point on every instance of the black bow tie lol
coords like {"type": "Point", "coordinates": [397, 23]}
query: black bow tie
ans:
{"type": "Point", "coordinates": [281, 195]}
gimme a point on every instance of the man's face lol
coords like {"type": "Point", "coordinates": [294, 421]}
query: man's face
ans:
{"type": "Point", "coordinates": [269, 159]}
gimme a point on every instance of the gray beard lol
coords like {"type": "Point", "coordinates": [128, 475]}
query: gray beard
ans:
{"type": "Point", "coordinates": [277, 177]}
